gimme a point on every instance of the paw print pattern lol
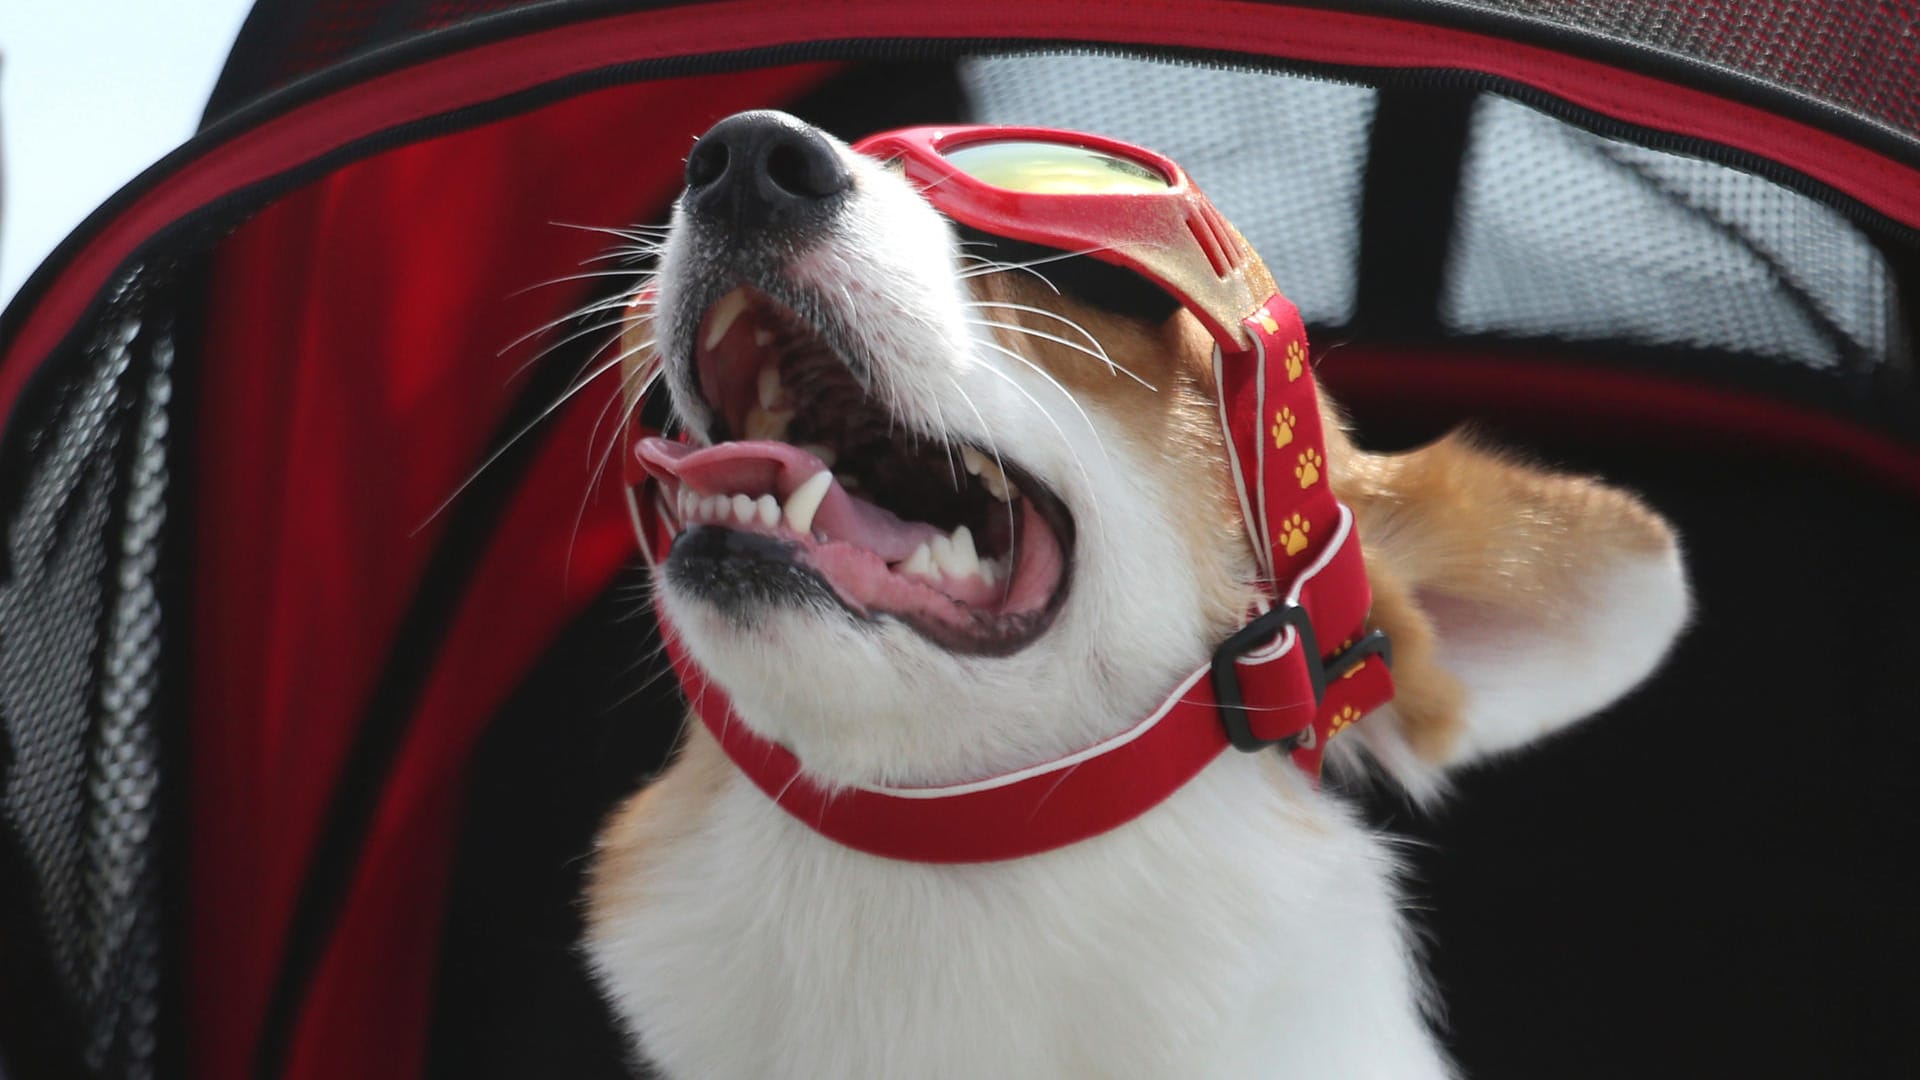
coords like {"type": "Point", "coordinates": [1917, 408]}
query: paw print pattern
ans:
{"type": "Point", "coordinates": [1266, 321]}
{"type": "Point", "coordinates": [1355, 669]}
{"type": "Point", "coordinates": [1347, 715]}
{"type": "Point", "coordinates": [1293, 533]}
{"type": "Point", "coordinates": [1296, 360]}
{"type": "Point", "coordinates": [1309, 468]}
{"type": "Point", "coordinates": [1283, 422]}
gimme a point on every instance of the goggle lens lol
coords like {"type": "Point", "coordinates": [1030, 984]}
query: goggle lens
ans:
{"type": "Point", "coordinates": [1044, 168]}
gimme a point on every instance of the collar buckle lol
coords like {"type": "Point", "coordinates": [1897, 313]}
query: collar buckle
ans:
{"type": "Point", "coordinates": [1238, 717]}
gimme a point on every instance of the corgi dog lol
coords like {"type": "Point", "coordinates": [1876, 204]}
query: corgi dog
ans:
{"type": "Point", "coordinates": [944, 513]}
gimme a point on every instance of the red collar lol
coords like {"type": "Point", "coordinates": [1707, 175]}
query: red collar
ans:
{"type": "Point", "coordinates": [1294, 677]}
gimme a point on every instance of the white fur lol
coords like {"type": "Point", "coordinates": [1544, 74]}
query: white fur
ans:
{"type": "Point", "coordinates": [1247, 927]}
{"type": "Point", "coordinates": [1523, 684]}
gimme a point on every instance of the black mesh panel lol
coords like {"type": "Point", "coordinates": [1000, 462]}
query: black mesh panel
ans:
{"type": "Point", "coordinates": [1861, 56]}
{"type": "Point", "coordinates": [79, 684]}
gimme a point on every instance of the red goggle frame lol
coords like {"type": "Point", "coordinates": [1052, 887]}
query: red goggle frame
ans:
{"type": "Point", "coordinates": [1154, 221]}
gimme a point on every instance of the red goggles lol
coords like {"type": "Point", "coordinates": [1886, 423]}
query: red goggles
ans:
{"type": "Point", "coordinates": [1089, 196]}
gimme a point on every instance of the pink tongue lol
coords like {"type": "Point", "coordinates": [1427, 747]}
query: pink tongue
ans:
{"type": "Point", "coordinates": [775, 468]}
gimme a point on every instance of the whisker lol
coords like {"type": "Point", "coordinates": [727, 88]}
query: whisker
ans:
{"type": "Point", "coordinates": [1085, 476]}
{"type": "Point", "coordinates": [1097, 352]}
{"type": "Point", "coordinates": [993, 446]}
{"type": "Point", "coordinates": [578, 277]}
{"type": "Point", "coordinates": [994, 266]}
{"type": "Point", "coordinates": [636, 233]}
{"type": "Point", "coordinates": [603, 304]}
{"type": "Point", "coordinates": [604, 409]}
{"type": "Point", "coordinates": [598, 327]}
{"type": "Point", "coordinates": [1041, 261]}
{"type": "Point", "coordinates": [514, 440]}
{"type": "Point", "coordinates": [593, 480]}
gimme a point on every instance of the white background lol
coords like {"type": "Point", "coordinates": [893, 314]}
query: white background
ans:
{"type": "Point", "coordinates": [91, 93]}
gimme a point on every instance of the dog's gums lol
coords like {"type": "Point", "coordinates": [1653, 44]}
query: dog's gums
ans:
{"type": "Point", "coordinates": [966, 548]}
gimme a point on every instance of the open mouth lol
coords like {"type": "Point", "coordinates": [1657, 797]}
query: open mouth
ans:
{"type": "Point", "coordinates": [968, 549]}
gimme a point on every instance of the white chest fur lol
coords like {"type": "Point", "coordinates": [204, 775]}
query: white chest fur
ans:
{"type": "Point", "coordinates": [1246, 927]}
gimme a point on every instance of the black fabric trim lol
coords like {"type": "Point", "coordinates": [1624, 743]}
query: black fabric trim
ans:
{"type": "Point", "coordinates": [1414, 156]}
{"type": "Point", "coordinates": [174, 584]}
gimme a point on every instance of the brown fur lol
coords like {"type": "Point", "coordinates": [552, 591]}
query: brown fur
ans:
{"type": "Point", "coordinates": [1449, 520]}
{"type": "Point", "coordinates": [662, 815]}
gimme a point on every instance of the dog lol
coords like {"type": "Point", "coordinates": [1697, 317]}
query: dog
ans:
{"type": "Point", "coordinates": [1047, 538]}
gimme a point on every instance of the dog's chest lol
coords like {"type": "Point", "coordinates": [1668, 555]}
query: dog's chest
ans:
{"type": "Point", "coordinates": [1190, 943]}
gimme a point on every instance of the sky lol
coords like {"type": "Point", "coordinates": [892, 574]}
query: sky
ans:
{"type": "Point", "coordinates": [91, 93]}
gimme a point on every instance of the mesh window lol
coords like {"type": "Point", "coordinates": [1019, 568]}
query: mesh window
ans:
{"type": "Point", "coordinates": [1282, 157]}
{"type": "Point", "coordinates": [79, 678]}
{"type": "Point", "coordinates": [1566, 234]}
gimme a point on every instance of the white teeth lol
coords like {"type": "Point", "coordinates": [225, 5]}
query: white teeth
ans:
{"type": "Point", "coordinates": [956, 555]}
{"type": "Point", "coordinates": [989, 571]}
{"type": "Point", "coordinates": [768, 425]}
{"type": "Point", "coordinates": [743, 509]}
{"type": "Point", "coordinates": [762, 338]}
{"type": "Point", "coordinates": [725, 311]}
{"type": "Point", "coordinates": [825, 454]}
{"type": "Point", "coordinates": [804, 502]}
{"type": "Point", "coordinates": [847, 481]}
{"type": "Point", "coordinates": [920, 562]}
{"type": "Point", "coordinates": [767, 508]}
{"type": "Point", "coordinates": [716, 508]}
{"type": "Point", "coordinates": [989, 473]}
{"type": "Point", "coordinates": [770, 389]}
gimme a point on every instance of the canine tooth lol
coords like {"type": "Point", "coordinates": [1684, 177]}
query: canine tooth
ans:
{"type": "Point", "coordinates": [725, 311]}
{"type": "Point", "coordinates": [804, 502]}
{"type": "Point", "coordinates": [768, 425]}
{"type": "Point", "coordinates": [770, 388]}
{"type": "Point", "coordinates": [824, 453]}
{"type": "Point", "coordinates": [958, 557]}
{"type": "Point", "coordinates": [989, 472]}
{"type": "Point", "coordinates": [768, 509]}
{"type": "Point", "coordinates": [743, 508]}
{"type": "Point", "coordinates": [920, 562]}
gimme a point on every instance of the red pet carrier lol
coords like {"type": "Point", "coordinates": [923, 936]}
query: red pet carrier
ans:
{"type": "Point", "coordinates": [303, 737]}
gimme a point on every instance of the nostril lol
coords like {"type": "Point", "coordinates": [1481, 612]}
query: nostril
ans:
{"type": "Point", "coordinates": [807, 167]}
{"type": "Point", "coordinates": [706, 163]}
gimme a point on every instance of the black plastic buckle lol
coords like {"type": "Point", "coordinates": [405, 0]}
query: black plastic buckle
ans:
{"type": "Point", "coordinates": [1234, 714]}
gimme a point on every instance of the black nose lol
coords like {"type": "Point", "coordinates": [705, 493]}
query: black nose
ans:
{"type": "Point", "coordinates": [763, 168]}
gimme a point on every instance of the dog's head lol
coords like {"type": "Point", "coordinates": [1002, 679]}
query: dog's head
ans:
{"type": "Point", "coordinates": [953, 506]}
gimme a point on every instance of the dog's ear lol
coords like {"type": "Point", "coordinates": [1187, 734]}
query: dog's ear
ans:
{"type": "Point", "coordinates": [1519, 600]}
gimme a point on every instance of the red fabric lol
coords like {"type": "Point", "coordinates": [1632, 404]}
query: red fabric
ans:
{"type": "Point", "coordinates": [1298, 33]}
{"type": "Point", "coordinates": [350, 384]}
{"type": "Point", "coordinates": [1271, 413]}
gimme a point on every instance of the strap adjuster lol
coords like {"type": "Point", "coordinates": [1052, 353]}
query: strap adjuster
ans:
{"type": "Point", "coordinates": [1235, 715]}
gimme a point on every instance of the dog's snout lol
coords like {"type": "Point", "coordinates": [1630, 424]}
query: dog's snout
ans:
{"type": "Point", "coordinates": [763, 168]}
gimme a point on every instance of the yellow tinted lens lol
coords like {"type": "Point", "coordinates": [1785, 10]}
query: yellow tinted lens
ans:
{"type": "Point", "coordinates": [1053, 168]}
